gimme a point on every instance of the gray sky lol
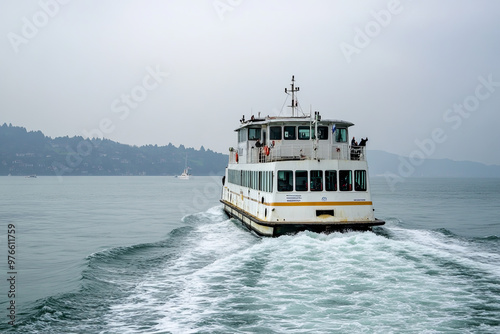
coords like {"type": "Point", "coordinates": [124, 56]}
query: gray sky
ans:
{"type": "Point", "coordinates": [419, 78]}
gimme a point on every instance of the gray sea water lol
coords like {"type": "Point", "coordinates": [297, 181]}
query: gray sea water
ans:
{"type": "Point", "coordinates": [158, 255]}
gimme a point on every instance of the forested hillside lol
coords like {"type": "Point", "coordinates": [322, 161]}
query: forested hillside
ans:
{"type": "Point", "coordinates": [25, 152]}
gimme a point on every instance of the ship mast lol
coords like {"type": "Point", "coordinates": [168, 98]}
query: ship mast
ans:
{"type": "Point", "coordinates": [293, 90]}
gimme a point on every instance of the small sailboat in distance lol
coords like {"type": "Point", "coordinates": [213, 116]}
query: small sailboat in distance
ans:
{"type": "Point", "coordinates": [185, 173]}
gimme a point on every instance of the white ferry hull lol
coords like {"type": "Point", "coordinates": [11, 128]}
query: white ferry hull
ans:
{"type": "Point", "coordinates": [271, 229]}
{"type": "Point", "coordinates": [274, 212]}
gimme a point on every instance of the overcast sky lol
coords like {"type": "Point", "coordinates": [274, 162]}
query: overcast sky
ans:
{"type": "Point", "coordinates": [419, 78]}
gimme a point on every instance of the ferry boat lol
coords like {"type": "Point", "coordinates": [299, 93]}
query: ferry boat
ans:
{"type": "Point", "coordinates": [294, 173]}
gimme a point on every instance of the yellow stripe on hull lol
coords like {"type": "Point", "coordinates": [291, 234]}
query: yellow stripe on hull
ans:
{"type": "Point", "coordinates": [319, 203]}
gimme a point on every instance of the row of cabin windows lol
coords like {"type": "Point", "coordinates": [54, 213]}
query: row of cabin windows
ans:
{"type": "Point", "coordinates": [317, 180]}
{"type": "Point", "coordinates": [289, 132]}
{"type": "Point", "coordinates": [314, 180]}
{"type": "Point", "coordinates": [297, 132]}
{"type": "Point", "coordinates": [258, 180]}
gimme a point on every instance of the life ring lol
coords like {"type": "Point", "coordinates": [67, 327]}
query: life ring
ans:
{"type": "Point", "coordinates": [236, 156]}
{"type": "Point", "coordinates": [266, 150]}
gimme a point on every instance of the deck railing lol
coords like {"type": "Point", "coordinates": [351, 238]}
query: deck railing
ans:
{"type": "Point", "coordinates": [301, 152]}
{"type": "Point", "coordinates": [358, 153]}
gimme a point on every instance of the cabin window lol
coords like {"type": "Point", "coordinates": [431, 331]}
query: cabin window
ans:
{"type": "Point", "coordinates": [275, 133]}
{"type": "Point", "coordinates": [285, 180]}
{"type": "Point", "coordinates": [242, 135]}
{"type": "Point", "coordinates": [290, 132]}
{"type": "Point", "coordinates": [316, 180]}
{"type": "Point", "coordinates": [264, 181]}
{"type": "Point", "coordinates": [245, 179]}
{"type": "Point", "coordinates": [253, 179]}
{"type": "Point", "coordinates": [360, 180]}
{"type": "Point", "coordinates": [301, 180]}
{"type": "Point", "coordinates": [331, 180]}
{"type": "Point", "coordinates": [304, 132]}
{"type": "Point", "coordinates": [341, 135]}
{"type": "Point", "coordinates": [345, 179]}
{"type": "Point", "coordinates": [267, 181]}
{"type": "Point", "coordinates": [234, 176]}
{"type": "Point", "coordinates": [253, 133]}
{"type": "Point", "coordinates": [249, 178]}
{"type": "Point", "coordinates": [322, 132]}
{"type": "Point", "coordinates": [271, 181]}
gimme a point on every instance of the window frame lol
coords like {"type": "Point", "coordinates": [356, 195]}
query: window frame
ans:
{"type": "Point", "coordinates": [328, 184]}
{"type": "Point", "coordinates": [323, 134]}
{"type": "Point", "coordinates": [254, 137]}
{"type": "Point", "coordinates": [313, 185]}
{"type": "Point", "coordinates": [338, 136]}
{"type": "Point", "coordinates": [302, 127]}
{"type": "Point", "coordinates": [348, 185]}
{"type": "Point", "coordinates": [302, 186]}
{"type": "Point", "coordinates": [289, 186]}
{"type": "Point", "coordinates": [285, 131]}
{"type": "Point", "coordinates": [272, 133]}
{"type": "Point", "coordinates": [364, 184]}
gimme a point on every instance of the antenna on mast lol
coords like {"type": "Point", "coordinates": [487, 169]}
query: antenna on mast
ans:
{"type": "Point", "coordinates": [294, 89]}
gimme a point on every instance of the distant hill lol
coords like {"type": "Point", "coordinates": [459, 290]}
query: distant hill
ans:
{"type": "Point", "coordinates": [381, 163]}
{"type": "Point", "coordinates": [26, 153]}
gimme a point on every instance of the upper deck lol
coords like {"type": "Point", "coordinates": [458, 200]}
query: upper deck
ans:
{"type": "Point", "coordinates": [270, 139]}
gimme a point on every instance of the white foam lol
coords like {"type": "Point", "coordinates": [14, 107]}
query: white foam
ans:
{"type": "Point", "coordinates": [226, 280]}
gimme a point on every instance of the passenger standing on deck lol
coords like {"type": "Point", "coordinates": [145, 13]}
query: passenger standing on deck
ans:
{"type": "Point", "coordinates": [354, 149]}
{"type": "Point", "coordinates": [258, 144]}
{"type": "Point", "coordinates": [360, 148]}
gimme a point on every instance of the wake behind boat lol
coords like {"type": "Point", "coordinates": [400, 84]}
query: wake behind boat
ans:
{"type": "Point", "coordinates": [289, 174]}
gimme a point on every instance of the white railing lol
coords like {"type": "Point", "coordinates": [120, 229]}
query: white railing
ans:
{"type": "Point", "coordinates": [299, 152]}
{"type": "Point", "coordinates": [358, 153]}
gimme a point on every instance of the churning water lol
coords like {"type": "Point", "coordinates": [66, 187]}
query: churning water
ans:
{"type": "Point", "coordinates": [158, 255]}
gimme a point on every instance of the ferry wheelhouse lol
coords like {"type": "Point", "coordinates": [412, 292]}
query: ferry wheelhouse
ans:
{"type": "Point", "coordinates": [289, 174]}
